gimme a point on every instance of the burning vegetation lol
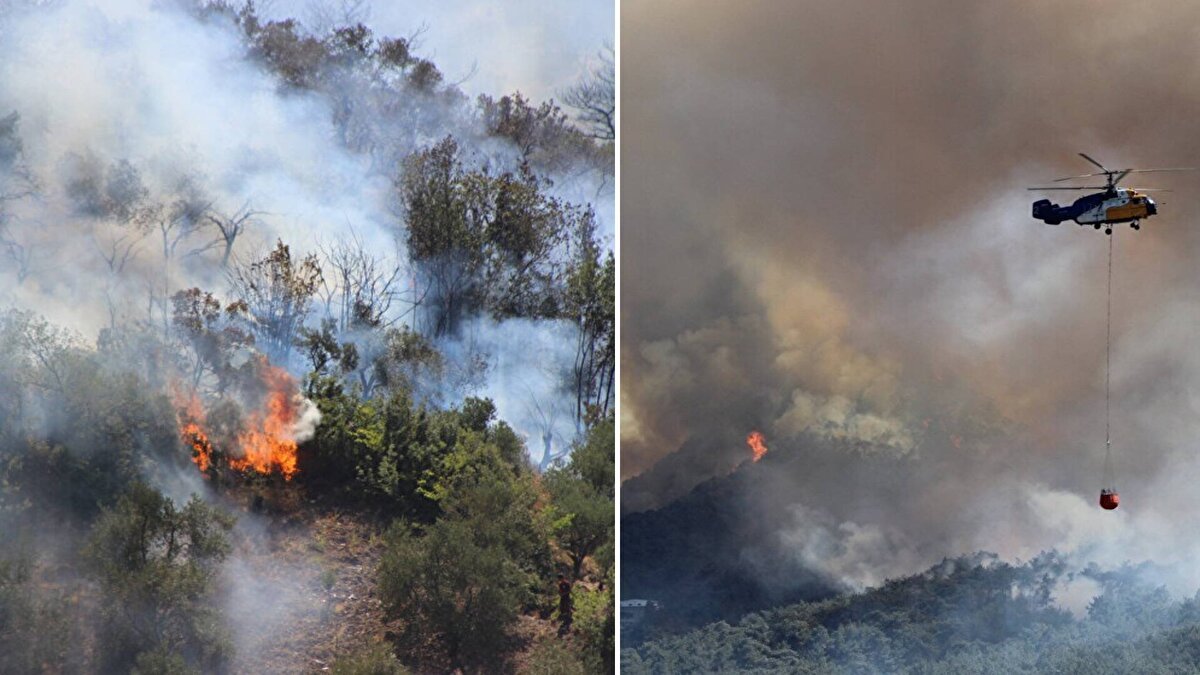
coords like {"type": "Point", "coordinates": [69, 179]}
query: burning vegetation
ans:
{"type": "Point", "coordinates": [194, 436]}
{"type": "Point", "coordinates": [266, 442]}
{"type": "Point", "coordinates": [758, 445]}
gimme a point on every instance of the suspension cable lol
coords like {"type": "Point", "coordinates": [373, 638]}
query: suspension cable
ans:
{"type": "Point", "coordinates": [1108, 343]}
{"type": "Point", "coordinates": [1108, 477]}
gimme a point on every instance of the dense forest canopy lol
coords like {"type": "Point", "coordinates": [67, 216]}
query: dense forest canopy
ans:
{"type": "Point", "coordinates": [973, 614]}
{"type": "Point", "coordinates": [263, 283]}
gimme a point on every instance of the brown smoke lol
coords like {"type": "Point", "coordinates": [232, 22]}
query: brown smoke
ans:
{"type": "Point", "coordinates": [826, 233]}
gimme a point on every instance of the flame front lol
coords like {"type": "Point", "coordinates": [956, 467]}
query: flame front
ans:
{"type": "Point", "coordinates": [194, 436]}
{"type": "Point", "coordinates": [191, 428]}
{"type": "Point", "coordinates": [757, 444]}
{"type": "Point", "coordinates": [266, 443]}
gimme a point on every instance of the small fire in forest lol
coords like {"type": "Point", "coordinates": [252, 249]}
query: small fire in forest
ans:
{"type": "Point", "coordinates": [267, 441]}
{"type": "Point", "coordinates": [757, 444]}
{"type": "Point", "coordinates": [192, 429]}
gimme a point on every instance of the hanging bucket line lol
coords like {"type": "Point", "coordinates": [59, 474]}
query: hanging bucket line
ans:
{"type": "Point", "coordinates": [1108, 469]}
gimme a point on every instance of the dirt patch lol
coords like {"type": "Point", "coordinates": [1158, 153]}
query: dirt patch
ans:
{"type": "Point", "coordinates": [301, 589]}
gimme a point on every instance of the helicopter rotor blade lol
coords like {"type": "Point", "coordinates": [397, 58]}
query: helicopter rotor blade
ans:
{"type": "Point", "coordinates": [1084, 155]}
{"type": "Point", "coordinates": [1086, 187]}
{"type": "Point", "coordinates": [1117, 179]}
{"type": "Point", "coordinates": [1086, 175]}
{"type": "Point", "coordinates": [1184, 168]}
{"type": "Point", "coordinates": [1121, 173]}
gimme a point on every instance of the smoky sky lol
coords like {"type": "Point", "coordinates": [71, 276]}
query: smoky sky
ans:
{"type": "Point", "coordinates": [826, 235]}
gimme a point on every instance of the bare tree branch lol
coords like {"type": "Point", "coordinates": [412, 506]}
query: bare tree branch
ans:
{"type": "Point", "coordinates": [595, 98]}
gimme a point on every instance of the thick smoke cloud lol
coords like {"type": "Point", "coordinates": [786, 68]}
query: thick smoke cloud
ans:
{"type": "Point", "coordinates": [827, 238]}
{"type": "Point", "coordinates": [177, 99]}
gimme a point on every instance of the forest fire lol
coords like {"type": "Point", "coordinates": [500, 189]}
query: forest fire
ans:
{"type": "Point", "coordinates": [267, 441]}
{"type": "Point", "coordinates": [194, 434]}
{"type": "Point", "coordinates": [757, 444]}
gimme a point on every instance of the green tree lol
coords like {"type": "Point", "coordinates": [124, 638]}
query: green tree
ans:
{"type": "Point", "coordinates": [481, 242]}
{"type": "Point", "coordinates": [462, 585]}
{"type": "Point", "coordinates": [405, 360]}
{"type": "Point", "coordinates": [109, 424]}
{"type": "Point", "coordinates": [211, 334]}
{"type": "Point", "coordinates": [323, 350]}
{"type": "Point", "coordinates": [595, 623]}
{"type": "Point", "coordinates": [591, 304]}
{"type": "Point", "coordinates": [445, 232]}
{"type": "Point", "coordinates": [594, 461]}
{"type": "Point", "coordinates": [452, 589]}
{"type": "Point", "coordinates": [542, 134]}
{"type": "Point", "coordinates": [297, 58]}
{"type": "Point", "coordinates": [582, 496]}
{"type": "Point", "coordinates": [525, 238]}
{"type": "Point", "coordinates": [155, 565]}
{"type": "Point", "coordinates": [584, 516]}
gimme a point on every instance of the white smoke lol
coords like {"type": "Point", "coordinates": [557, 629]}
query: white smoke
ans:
{"type": "Point", "coordinates": [848, 554]}
{"type": "Point", "coordinates": [528, 363]}
{"type": "Point", "coordinates": [173, 96]}
{"type": "Point", "coordinates": [308, 416]}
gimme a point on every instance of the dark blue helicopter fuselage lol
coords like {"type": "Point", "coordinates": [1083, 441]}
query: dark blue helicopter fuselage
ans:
{"type": "Point", "coordinates": [1054, 214]}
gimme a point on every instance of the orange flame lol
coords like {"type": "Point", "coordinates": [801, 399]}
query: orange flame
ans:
{"type": "Point", "coordinates": [191, 421]}
{"type": "Point", "coordinates": [194, 436]}
{"type": "Point", "coordinates": [267, 443]}
{"type": "Point", "coordinates": [757, 444]}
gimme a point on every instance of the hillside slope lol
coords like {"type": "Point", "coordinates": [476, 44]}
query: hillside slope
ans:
{"type": "Point", "coordinates": [972, 614]}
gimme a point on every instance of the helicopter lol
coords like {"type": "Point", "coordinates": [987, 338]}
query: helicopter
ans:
{"type": "Point", "coordinates": [1116, 204]}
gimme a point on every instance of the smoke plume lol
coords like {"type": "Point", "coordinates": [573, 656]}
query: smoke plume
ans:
{"type": "Point", "coordinates": [827, 237]}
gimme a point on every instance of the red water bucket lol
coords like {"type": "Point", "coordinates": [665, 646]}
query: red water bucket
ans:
{"type": "Point", "coordinates": [1109, 499]}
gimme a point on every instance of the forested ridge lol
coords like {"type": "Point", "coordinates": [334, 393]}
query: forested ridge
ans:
{"type": "Point", "coordinates": [972, 614]}
{"type": "Point", "coordinates": [229, 443]}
